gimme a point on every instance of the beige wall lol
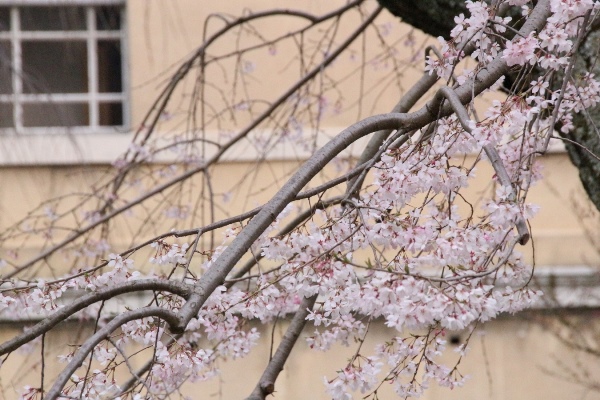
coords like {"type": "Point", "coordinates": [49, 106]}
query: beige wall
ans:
{"type": "Point", "coordinates": [514, 358]}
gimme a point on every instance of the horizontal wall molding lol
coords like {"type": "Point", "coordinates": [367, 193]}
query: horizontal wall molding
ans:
{"type": "Point", "coordinates": [565, 287]}
{"type": "Point", "coordinates": [54, 147]}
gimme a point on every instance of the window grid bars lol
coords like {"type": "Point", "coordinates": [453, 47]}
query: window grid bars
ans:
{"type": "Point", "coordinates": [125, 102]}
{"type": "Point", "coordinates": [61, 35]}
{"type": "Point", "coordinates": [17, 80]}
{"type": "Point", "coordinates": [92, 64]}
{"type": "Point", "coordinates": [92, 97]}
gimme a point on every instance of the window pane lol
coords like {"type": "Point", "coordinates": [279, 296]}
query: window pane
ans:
{"type": "Point", "coordinates": [5, 71]}
{"type": "Point", "coordinates": [4, 18]}
{"type": "Point", "coordinates": [6, 115]}
{"type": "Point", "coordinates": [109, 66]}
{"type": "Point", "coordinates": [55, 114]}
{"type": "Point", "coordinates": [54, 67]}
{"type": "Point", "coordinates": [111, 114]}
{"type": "Point", "coordinates": [52, 18]}
{"type": "Point", "coordinates": [108, 18]}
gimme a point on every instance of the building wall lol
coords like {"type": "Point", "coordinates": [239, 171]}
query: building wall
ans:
{"type": "Point", "coordinates": [510, 358]}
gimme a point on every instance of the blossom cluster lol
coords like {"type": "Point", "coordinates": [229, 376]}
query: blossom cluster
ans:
{"type": "Point", "coordinates": [169, 253]}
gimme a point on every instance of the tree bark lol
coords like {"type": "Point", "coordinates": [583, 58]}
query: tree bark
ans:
{"type": "Point", "coordinates": [436, 17]}
{"type": "Point", "coordinates": [585, 150]}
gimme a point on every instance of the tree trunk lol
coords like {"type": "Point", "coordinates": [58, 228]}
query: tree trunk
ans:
{"type": "Point", "coordinates": [434, 17]}
{"type": "Point", "coordinates": [584, 153]}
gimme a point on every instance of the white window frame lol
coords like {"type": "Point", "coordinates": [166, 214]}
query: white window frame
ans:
{"type": "Point", "coordinates": [92, 97]}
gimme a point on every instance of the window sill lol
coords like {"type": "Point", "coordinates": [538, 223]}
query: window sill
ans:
{"type": "Point", "coordinates": [106, 145]}
{"type": "Point", "coordinates": [62, 149]}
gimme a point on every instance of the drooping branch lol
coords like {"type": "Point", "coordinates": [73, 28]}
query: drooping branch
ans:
{"type": "Point", "coordinates": [62, 314]}
{"type": "Point", "coordinates": [492, 154]}
{"type": "Point", "coordinates": [168, 316]}
{"type": "Point", "coordinates": [150, 120]}
{"type": "Point", "coordinates": [266, 384]}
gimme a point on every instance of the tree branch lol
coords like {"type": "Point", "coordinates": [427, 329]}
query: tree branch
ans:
{"type": "Point", "coordinates": [266, 384]}
{"type": "Point", "coordinates": [492, 154]}
{"type": "Point", "coordinates": [81, 354]}
{"type": "Point", "coordinates": [178, 288]}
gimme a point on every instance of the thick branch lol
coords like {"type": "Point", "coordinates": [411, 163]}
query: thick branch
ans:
{"type": "Point", "coordinates": [435, 17]}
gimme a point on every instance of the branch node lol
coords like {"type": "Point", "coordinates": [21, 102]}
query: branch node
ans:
{"type": "Point", "coordinates": [267, 387]}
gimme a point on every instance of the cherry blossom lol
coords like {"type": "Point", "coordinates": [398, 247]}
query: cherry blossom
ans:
{"type": "Point", "coordinates": [521, 51]}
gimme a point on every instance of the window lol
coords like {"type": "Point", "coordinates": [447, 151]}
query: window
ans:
{"type": "Point", "coordinates": [61, 66]}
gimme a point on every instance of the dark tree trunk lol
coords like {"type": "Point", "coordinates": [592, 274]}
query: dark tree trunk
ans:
{"type": "Point", "coordinates": [584, 154]}
{"type": "Point", "coordinates": [436, 17]}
